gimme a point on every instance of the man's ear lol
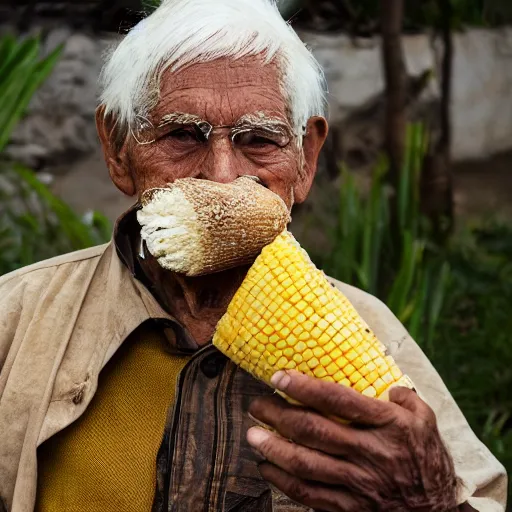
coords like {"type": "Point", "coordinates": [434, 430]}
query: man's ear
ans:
{"type": "Point", "coordinates": [316, 133]}
{"type": "Point", "coordinates": [115, 158]}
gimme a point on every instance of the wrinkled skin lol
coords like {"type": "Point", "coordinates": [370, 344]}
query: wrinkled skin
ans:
{"type": "Point", "coordinates": [397, 462]}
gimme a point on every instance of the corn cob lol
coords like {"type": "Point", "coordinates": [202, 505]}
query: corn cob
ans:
{"type": "Point", "coordinates": [197, 227]}
{"type": "Point", "coordinates": [286, 315]}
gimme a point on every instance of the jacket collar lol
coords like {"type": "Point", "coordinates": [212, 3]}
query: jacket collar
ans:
{"type": "Point", "coordinates": [125, 240]}
{"type": "Point", "coordinates": [126, 234]}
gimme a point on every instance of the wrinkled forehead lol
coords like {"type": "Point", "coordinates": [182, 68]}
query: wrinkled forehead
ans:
{"type": "Point", "coordinates": [223, 91]}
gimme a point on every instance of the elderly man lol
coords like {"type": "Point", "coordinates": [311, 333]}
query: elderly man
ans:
{"type": "Point", "coordinates": [112, 397]}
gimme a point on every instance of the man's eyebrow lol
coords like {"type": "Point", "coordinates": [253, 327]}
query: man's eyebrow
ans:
{"type": "Point", "coordinates": [261, 121]}
{"type": "Point", "coordinates": [179, 118]}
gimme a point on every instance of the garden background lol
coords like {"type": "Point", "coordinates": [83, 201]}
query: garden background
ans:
{"type": "Point", "coordinates": [412, 201]}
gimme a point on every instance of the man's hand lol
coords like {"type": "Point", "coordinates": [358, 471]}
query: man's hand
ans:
{"type": "Point", "coordinates": [389, 458]}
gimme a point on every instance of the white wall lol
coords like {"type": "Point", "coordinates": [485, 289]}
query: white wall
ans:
{"type": "Point", "coordinates": [482, 82]}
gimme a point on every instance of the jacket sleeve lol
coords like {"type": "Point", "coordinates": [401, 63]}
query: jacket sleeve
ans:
{"type": "Point", "coordinates": [483, 478]}
{"type": "Point", "coordinates": [19, 295]}
{"type": "Point", "coordinates": [11, 299]}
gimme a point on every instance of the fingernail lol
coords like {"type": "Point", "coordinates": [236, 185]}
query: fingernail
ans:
{"type": "Point", "coordinates": [280, 380]}
{"type": "Point", "coordinates": [257, 436]}
{"type": "Point", "coordinates": [257, 421]}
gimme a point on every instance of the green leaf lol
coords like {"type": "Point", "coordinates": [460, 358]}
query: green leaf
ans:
{"type": "Point", "coordinates": [20, 76]}
{"type": "Point", "coordinates": [19, 54]}
{"type": "Point", "coordinates": [441, 281]}
{"type": "Point", "coordinates": [405, 280]}
{"type": "Point", "coordinates": [149, 6]}
{"type": "Point", "coordinates": [7, 49]}
{"type": "Point", "coordinates": [35, 225]}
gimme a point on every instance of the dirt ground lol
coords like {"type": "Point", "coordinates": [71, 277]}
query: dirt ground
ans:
{"type": "Point", "coordinates": [481, 188]}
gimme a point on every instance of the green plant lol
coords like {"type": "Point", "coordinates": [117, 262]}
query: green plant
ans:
{"type": "Point", "coordinates": [362, 16]}
{"type": "Point", "coordinates": [286, 7]}
{"type": "Point", "coordinates": [472, 349]}
{"type": "Point", "coordinates": [149, 6]}
{"type": "Point", "coordinates": [21, 73]}
{"type": "Point", "coordinates": [34, 224]}
{"type": "Point", "coordinates": [380, 243]}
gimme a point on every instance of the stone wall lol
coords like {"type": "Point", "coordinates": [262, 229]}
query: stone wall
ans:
{"type": "Point", "coordinates": [60, 123]}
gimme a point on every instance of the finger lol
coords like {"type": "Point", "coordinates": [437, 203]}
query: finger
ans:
{"type": "Point", "coordinates": [306, 427]}
{"type": "Point", "coordinates": [303, 462]}
{"type": "Point", "coordinates": [408, 399]}
{"type": "Point", "coordinates": [332, 399]}
{"type": "Point", "coordinates": [311, 495]}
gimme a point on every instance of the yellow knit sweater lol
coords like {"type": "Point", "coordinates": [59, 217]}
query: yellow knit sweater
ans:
{"type": "Point", "coordinates": [106, 460]}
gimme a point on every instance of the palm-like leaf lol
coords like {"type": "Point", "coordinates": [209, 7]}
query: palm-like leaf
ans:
{"type": "Point", "coordinates": [34, 224]}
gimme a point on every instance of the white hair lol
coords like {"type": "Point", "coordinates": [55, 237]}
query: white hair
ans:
{"type": "Point", "coordinates": [181, 32]}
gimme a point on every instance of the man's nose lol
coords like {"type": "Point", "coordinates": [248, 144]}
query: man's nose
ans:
{"type": "Point", "coordinates": [222, 164]}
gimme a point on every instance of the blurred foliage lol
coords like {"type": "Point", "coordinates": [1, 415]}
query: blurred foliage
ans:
{"type": "Point", "coordinates": [148, 6]}
{"type": "Point", "coordinates": [427, 13]}
{"type": "Point", "coordinates": [455, 300]}
{"type": "Point", "coordinates": [361, 17]}
{"type": "Point", "coordinates": [21, 73]}
{"type": "Point", "coordinates": [418, 14]}
{"type": "Point", "coordinates": [286, 7]}
{"type": "Point", "coordinates": [472, 349]}
{"type": "Point", "coordinates": [34, 224]}
{"type": "Point", "coordinates": [380, 243]}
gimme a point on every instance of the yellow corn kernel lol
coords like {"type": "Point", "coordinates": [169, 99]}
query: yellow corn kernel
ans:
{"type": "Point", "coordinates": [303, 367]}
{"type": "Point", "coordinates": [325, 361]}
{"type": "Point", "coordinates": [318, 352]}
{"type": "Point", "coordinates": [355, 377]}
{"type": "Point", "coordinates": [319, 372]}
{"type": "Point", "coordinates": [313, 362]}
{"type": "Point", "coordinates": [370, 391]}
{"type": "Point", "coordinates": [379, 386]}
{"type": "Point", "coordinates": [297, 358]}
{"type": "Point", "coordinates": [332, 368]}
{"type": "Point", "coordinates": [361, 385]}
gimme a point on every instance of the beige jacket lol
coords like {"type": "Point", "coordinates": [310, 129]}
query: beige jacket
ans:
{"type": "Point", "coordinates": [61, 320]}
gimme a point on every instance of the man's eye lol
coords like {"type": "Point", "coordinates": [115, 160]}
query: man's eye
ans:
{"type": "Point", "coordinates": [184, 135]}
{"type": "Point", "coordinates": [254, 140]}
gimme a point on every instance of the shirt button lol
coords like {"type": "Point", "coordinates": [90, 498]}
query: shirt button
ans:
{"type": "Point", "coordinates": [213, 365]}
